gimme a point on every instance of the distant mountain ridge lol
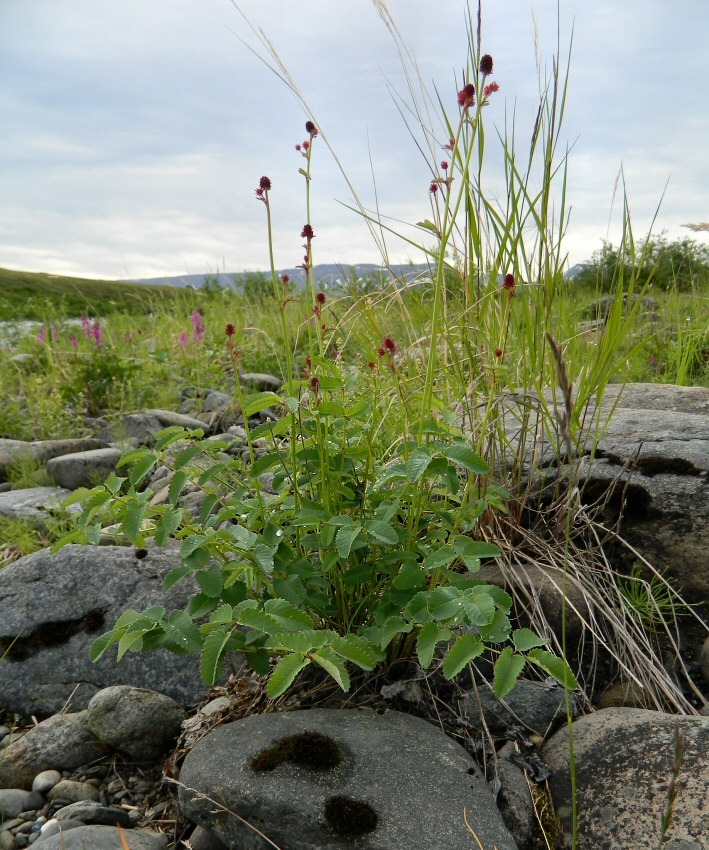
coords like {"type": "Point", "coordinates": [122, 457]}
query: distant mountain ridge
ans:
{"type": "Point", "coordinates": [326, 275]}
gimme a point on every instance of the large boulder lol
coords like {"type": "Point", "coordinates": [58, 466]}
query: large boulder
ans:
{"type": "Point", "coordinates": [323, 779]}
{"type": "Point", "coordinates": [624, 766]}
{"type": "Point", "coordinates": [650, 467]}
{"type": "Point", "coordinates": [83, 469]}
{"type": "Point", "coordinates": [53, 607]}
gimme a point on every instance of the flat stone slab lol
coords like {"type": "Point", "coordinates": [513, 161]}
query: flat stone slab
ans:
{"type": "Point", "coordinates": [400, 783]}
{"type": "Point", "coordinates": [34, 503]}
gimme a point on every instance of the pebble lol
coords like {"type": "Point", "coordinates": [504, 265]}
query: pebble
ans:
{"type": "Point", "coordinates": [73, 792]}
{"type": "Point", "coordinates": [45, 781]}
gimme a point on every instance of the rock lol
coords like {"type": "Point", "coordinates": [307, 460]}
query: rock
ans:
{"type": "Point", "coordinates": [58, 743]}
{"type": "Point", "coordinates": [48, 626]}
{"type": "Point", "coordinates": [133, 429]}
{"type": "Point", "coordinates": [102, 838]}
{"type": "Point", "coordinates": [368, 773]}
{"type": "Point", "coordinates": [55, 827]}
{"type": "Point", "coordinates": [73, 792]}
{"type": "Point", "coordinates": [651, 466]}
{"type": "Point", "coordinates": [202, 839]}
{"type": "Point", "coordinates": [135, 721]}
{"type": "Point", "coordinates": [624, 759]}
{"type": "Point", "coordinates": [35, 503]}
{"type": "Point", "coordinates": [704, 660]}
{"type": "Point", "coordinates": [13, 801]}
{"type": "Point", "coordinates": [11, 451]}
{"type": "Point", "coordinates": [539, 589]}
{"type": "Point", "coordinates": [628, 694]}
{"type": "Point", "coordinates": [89, 811]}
{"type": "Point", "coordinates": [514, 798]}
{"type": "Point", "coordinates": [7, 839]}
{"type": "Point", "coordinates": [602, 307]}
{"type": "Point", "coordinates": [45, 781]}
{"type": "Point", "coordinates": [260, 381]}
{"type": "Point", "coordinates": [168, 418]}
{"type": "Point", "coordinates": [83, 469]}
{"type": "Point", "coordinates": [217, 402]}
{"type": "Point", "coordinates": [535, 706]}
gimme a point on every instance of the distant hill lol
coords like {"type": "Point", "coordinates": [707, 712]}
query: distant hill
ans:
{"type": "Point", "coordinates": [35, 295]}
{"type": "Point", "coordinates": [326, 275]}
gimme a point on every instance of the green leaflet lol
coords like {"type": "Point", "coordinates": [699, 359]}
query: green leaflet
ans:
{"type": "Point", "coordinates": [327, 659]}
{"type": "Point", "coordinates": [507, 670]}
{"type": "Point", "coordinates": [344, 539]}
{"type": "Point", "coordinates": [464, 650]}
{"type": "Point", "coordinates": [213, 654]}
{"type": "Point", "coordinates": [359, 650]}
{"type": "Point", "coordinates": [555, 666]}
{"type": "Point", "coordinates": [282, 677]}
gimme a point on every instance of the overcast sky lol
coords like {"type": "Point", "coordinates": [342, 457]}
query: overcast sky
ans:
{"type": "Point", "coordinates": [134, 132]}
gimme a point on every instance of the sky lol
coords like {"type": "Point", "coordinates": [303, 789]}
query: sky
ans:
{"type": "Point", "coordinates": [133, 133]}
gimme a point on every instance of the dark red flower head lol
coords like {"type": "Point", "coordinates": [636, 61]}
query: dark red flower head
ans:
{"type": "Point", "coordinates": [433, 188]}
{"type": "Point", "coordinates": [444, 165]}
{"type": "Point", "coordinates": [307, 232]}
{"type": "Point", "coordinates": [466, 96]}
{"type": "Point", "coordinates": [486, 64]}
{"type": "Point", "coordinates": [314, 384]}
{"type": "Point", "coordinates": [265, 184]}
{"type": "Point", "coordinates": [372, 365]}
{"type": "Point", "coordinates": [381, 352]}
{"type": "Point", "coordinates": [491, 89]}
{"type": "Point", "coordinates": [230, 330]}
{"type": "Point", "coordinates": [389, 344]}
{"type": "Point", "coordinates": [509, 281]}
{"type": "Point", "coordinates": [285, 278]}
{"type": "Point", "coordinates": [498, 352]}
{"type": "Point", "coordinates": [311, 128]}
{"type": "Point", "coordinates": [321, 298]}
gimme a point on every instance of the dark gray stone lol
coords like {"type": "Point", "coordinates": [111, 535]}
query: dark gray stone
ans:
{"type": "Point", "coordinates": [102, 838]}
{"type": "Point", "coordinates": [407, 775]}
{"type": "Point", "coordinates": [58, 743]}
{"type": "Point", "coordinates": [53, 607]}
{"type": "Point", "coordinates": [514, 798]}
{"type": "Point", "coordinates": [133, 429]}
{"type": "Point", "coordinates": [260, 381]}
{"type": "Point", "coordinates": [83, 469]}
{"type": "Point", "coordinates": [202, 839]}
{"type": "Point", "coordinates": [168, 418]}
{"type": "Point", "coordinates": [34, 503]}
{"type": "Point", "coordinates": [15, 800]}
{"type": "Point", "coordinates": [624, 759]}
{"type": "Point", "coordinates": [135, 721]}
{"type": "Point", "coordinates": [534, 706]}
{"type": "Point", "coordinates": [91, 812]}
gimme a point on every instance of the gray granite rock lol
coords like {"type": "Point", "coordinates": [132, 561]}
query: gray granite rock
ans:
{"type": "Point", "coordinates": [135, 721]}
{"type": "Point", "coordinates": [58, 743]}
{"type": "Point", "coordinates": [11, 451]}
{"type": "Point", "coordinates": [83, 469]}
{"type": "Point", "coordinates": [73, 791]}
{"type": "Point", "coordinates": [132, 429]}
{"type": "Point", "coordinates": [45, 781]}
{"type": "Point", "coordinates": [624, 759]}
{"type": "Point", "coordinates": [15, 800]}
{"type": "Point", "coordinates": [260, 381]}
{"type": "Point", "coordinates": [538, 707]}
{"type": "Point", "coordinates": [102, 838]}
{"type": "Point", "coordinates": [53, 607]}
{"type": "Point", "coordinates": [168, 418]}
{"type": "Point", "coordinates": [399, 784]}
{"type": "Point", "coordinates": [34, 503]}
{"type": "Point", "coordinates": [92, 812]}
